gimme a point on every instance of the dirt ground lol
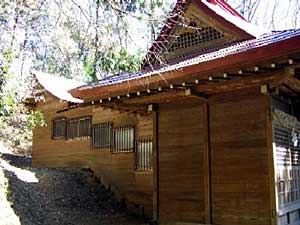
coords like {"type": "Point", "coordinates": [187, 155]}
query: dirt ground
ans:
{"type": "Point", "coordinates": [44, 196]}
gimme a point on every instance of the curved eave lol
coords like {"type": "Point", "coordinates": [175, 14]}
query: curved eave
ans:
{"type": "Point", "coordinates": [54, 86]}
{"type": "Point", "coordinates": [70, 99]}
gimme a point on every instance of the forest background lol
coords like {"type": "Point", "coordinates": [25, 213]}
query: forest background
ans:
{"type": "Point", "coordinates": [89, 40]}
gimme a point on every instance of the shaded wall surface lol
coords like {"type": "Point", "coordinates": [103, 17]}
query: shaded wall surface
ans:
{"type": "Point", "coordinates": [116, 170]}
{"type": "Point", "coordinates": [239, 171]}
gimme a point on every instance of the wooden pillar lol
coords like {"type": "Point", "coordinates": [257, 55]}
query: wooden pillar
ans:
{"type": "Point", "coordinates": [271, 162]}
{"type": "Point", "coordinates": [155, 166]}
{"type": "Point", "coordinates": [207, 167]}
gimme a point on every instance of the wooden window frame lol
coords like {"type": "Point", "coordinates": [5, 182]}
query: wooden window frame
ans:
{"type": "Point", "coordinates": [127, 146]}
{"type": "Point", "coordinates": [53, 136]}
{"type": "Point", "coordinates": [95, 141]}
{"type": "Point", "coordinates": [79, 135]}
{"type": "Point", "coordinates": [143, 155]}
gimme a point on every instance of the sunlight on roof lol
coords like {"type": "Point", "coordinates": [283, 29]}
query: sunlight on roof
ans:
{"type": "Point", "coordinates": [24, 175]}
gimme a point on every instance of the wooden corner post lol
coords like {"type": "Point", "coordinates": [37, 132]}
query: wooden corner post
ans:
{"type": "Point", "coordinates": [207, 167]}
{"type": "Point", "coordinates": [271, 163]}
{"type": "Point", "coordinates": [155, 155]}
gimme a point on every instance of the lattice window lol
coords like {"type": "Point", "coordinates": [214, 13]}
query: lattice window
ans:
{"type": "Point", "coordinates": [123, 139]}
{"type": "Point", "coordinates": [59, 128]}
{"type": "Point", "coordinates": [143, 155]}
{"type": "Point", "coordinates": [79, 128]}
{"type": "Point", "coordinates": [286, 135]}
{"type": "Point", "coordinates": [287, 154]}
{"type": "Point", "coordinates": [201, 36]}
{"type": "Point", "coordinates": [288, 165]}
{"type": "Point", "coordinates": [102, 135]}
{"type": "Point", "coordinates": [288, 185]}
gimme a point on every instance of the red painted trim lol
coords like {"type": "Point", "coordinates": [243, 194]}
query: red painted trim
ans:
{"type": "Point", "coordinates": [212, 1]}
{"type": "Point", "coordinates": [223, 21]}
{"type": "Point", "coordinates": [180, 5]}
{"type": "Point", "coordinates": [228, 7]}
{"type": "Point", "coordinates": [251, 57]}
{"type": "Point", "coordinates": [166, 30]}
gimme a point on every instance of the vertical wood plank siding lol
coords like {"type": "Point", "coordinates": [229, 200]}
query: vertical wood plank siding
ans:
{"type": "Point", "coordinates": [181, 162]}
{"type": "Point", "coordinates": [239, 150]}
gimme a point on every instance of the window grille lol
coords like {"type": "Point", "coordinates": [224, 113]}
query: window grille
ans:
{"type": "Point", "coordinates": [286, 153]}
{"type": "Point", "coordinates": [288, 162]}
{"type": "Point", "coordinates": [286, 135]}
{"type": "Point", "coordinates": [201, 36]}
{"type": "Point", "coordinates": [79, 127]}
{"type": "Point", "coordinates": [59, 128]}
{"type": "Point", "coordinates": [143, 155]}
{"type": "Point", "coordinates": [101, 135]}
{"type": "Point", "coordinates": [123, 139]}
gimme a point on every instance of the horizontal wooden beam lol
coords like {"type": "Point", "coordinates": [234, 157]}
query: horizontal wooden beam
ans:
{"type": "Point", "coordinates": [134, 108]}
{"type": "Point", "coordinates": [127, 107]}
{"type": "Point", "coordinates": [293, 83]}
{"type": "Point", "coordinates": [160, 97]}
{"type": "Point", "coordinates": [273, 79]}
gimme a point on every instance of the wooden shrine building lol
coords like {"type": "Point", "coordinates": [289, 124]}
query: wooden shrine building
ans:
{"type": "Point", "coordinates": [207, 132]}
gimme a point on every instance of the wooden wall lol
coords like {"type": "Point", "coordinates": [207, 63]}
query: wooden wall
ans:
{"type": "Point", "coordinates": [58, 153]}
{"type": "Point", "coordinates": [182, 142]}
{"type": "Point", "coordinates": [287, 160]}
{"type": "Point", "coordinates": [239, 159]}
{"type": "Point", "coordinates": [239, 153]}
{"type": "Point", "coordinates": [116, 170]}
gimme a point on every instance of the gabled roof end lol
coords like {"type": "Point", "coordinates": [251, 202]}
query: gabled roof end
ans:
{"type": "Point", "coordinates": [58, 86]}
